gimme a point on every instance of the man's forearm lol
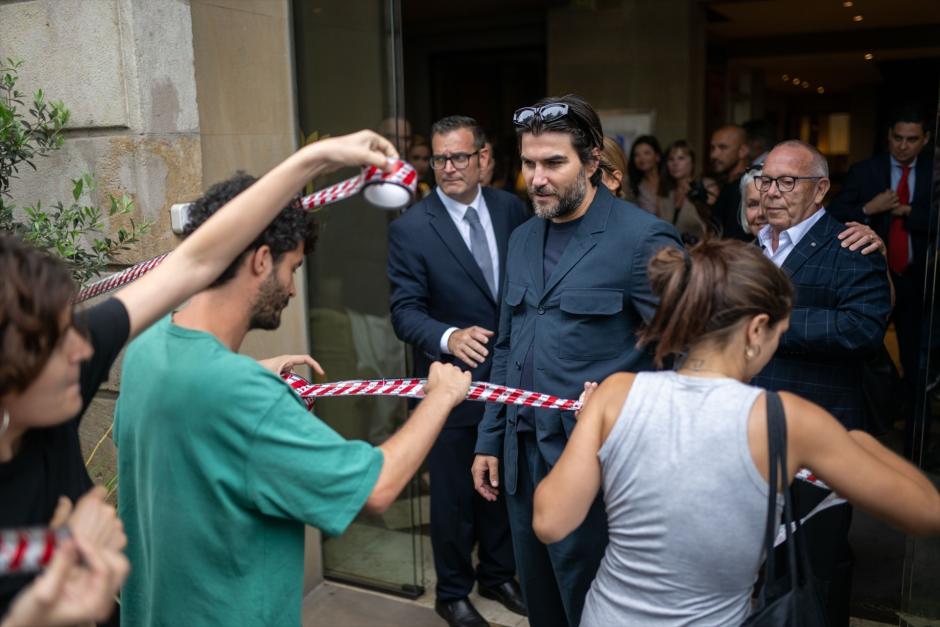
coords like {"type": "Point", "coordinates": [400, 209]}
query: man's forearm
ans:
{"type": "Point", "coordinates": [405, 450]}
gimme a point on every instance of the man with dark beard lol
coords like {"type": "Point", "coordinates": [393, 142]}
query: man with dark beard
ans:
{"type": "Point", "coordinates": [221, 465]}
{"type": "Point", "coordinates": [576, 292]}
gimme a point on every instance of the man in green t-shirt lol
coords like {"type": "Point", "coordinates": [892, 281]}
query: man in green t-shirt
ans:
{"type": "Point", "coordinates": [221, 465]}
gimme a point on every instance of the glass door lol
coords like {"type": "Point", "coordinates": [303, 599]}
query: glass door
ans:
{"type": "Point", "coordinates": [348, 59]}
{"type": "Point", "coordinates": [921, 584]}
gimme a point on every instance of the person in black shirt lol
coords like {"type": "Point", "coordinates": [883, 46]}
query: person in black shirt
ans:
{"type": "Point", "coordinates": [52, 360]}
{"type": "Point", "coordinates": [729, 158]}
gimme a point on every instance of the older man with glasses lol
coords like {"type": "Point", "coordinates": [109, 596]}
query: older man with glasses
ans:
{"type": "Point", "coordinates": [839, 318]}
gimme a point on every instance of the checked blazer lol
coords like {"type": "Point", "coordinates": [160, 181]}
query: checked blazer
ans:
{"type": "Point", "coordinates": [840, 314]}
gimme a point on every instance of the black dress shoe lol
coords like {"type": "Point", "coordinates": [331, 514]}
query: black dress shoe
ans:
{"type": "Point", "coordinates": [507, 593]}
{"type": "Point", "coordinates": [460, 613]}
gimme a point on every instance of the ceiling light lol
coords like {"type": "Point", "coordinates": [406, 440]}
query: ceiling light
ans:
{"type": "Point", "coordinates": [786, 78]}
{"type": "Point", "coordinates": [858, 18]}
{"type": "Point", "coordinates": [848, 4]}
{"type": "Point", "coordinates": [869, 56]}
{"type": "Point", "coordinates": [796, 81]}
{"type": "Point", "coordinates": [805, 85]}
{"type": "Point", "coordinates": [820, 90]}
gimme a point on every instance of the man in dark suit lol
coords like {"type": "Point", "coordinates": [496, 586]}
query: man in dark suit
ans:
{"type": "Point", "coordinates": [728, 155]}
{"type": "Point", "coordinates": [891, 192]}
{"type": "Point", "coordinates": [445, 260]}
{"type": "Point", "coordinates": [576, 292]}
{"type": "Point", "coordinates": [839, 317]}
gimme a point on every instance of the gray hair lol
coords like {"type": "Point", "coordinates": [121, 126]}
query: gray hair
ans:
{"type": "Point", "coordinates": [747, 179]}
{"type": "Point", "coordinates": [819, 164]}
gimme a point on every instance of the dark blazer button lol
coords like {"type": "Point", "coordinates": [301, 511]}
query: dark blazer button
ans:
{"type": "Point", "coordinates": [541, 310]}
{"type": "Point", "coordinates": [518, 365]}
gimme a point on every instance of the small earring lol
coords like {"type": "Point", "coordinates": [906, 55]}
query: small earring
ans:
{"type": "Point", "coordinates": [6, 422]}
{"type": "Point", "coordinates": [751, 353]}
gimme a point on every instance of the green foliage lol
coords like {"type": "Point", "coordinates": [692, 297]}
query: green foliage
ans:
{"type": "Point", "coordinates": [72, 231]}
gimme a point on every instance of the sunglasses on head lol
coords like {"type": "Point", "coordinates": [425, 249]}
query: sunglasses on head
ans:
{"type": "Point", "coordinates": [546, 113]}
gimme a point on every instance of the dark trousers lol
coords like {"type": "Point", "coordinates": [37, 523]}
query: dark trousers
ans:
{"type": "Point", "coordinates": [460, 518]}
{"type": "Point", "coordinates": [830, 554]}
{"type": "Point", "coordinates": [555, 578]}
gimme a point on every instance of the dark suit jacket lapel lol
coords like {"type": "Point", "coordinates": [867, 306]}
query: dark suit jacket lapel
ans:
{"type": "Point", "coordinates": [499, 218]}
{"type": "Point", "coordinates": [444, 227]}
{"type": "Point", "coordinates": [535, 253]}
{"type": "Point", "coordinates": [594, 221]}
{"type": "Point", "coordinates": [815, 240]}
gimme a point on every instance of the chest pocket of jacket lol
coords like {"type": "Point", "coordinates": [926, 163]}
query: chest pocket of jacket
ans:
{"type": "Point", "coordinates": [515, 297]}
{"type": "Point", "coordinates": [592, 324]}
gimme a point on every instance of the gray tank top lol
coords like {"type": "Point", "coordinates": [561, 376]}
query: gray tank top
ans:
{"type": "Point", "coordinates": [686, 506]}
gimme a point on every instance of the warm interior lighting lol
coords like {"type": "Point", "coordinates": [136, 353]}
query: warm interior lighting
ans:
{"type": "Point", "coordinates": [858, 18]}
{"type": "Point", "coordinates": [805, 85]}
{"type": "Point", "coordinates": [786, 78]}
{"type": "Point", "coordinates": [796, 81]}
{"type": "Point", "coordinates": [820, 90]}
{"type": "Point", "coordinates": [848, 4]}
{"type": "Point", "coordinates": [869, 56]}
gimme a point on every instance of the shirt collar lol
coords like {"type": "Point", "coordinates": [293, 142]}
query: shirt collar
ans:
{"type": "Point", "coordinates": [457, 209]}
{"type": "Point", "coordinates": [795, 233]}
{"type": "Point", "coordinates": [897, 164]}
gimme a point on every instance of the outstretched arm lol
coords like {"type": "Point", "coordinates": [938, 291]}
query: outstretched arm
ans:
{"type": "Point", "coordinates": [860, 469]}
{"type": "Point", "coordinates": [564, 497]}
{"type": "Point", "coordinates": [202, 256]}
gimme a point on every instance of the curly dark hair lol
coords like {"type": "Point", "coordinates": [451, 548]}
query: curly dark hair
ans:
{"type": "Point", "coordinates": [292, 225]}
{"type": "Point", "coordinates": [36, 289]}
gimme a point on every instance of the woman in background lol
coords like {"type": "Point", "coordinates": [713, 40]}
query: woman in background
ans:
{"type": "Point", "coordinates": [643, 172]}
{"type": "Point", "coordinates": [683, 200]}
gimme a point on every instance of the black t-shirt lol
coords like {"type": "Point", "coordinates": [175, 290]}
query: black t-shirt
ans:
{"type": "Point", "coordinates": [49, 463]}
{"type": "Point", "coordinates": [557, 237]}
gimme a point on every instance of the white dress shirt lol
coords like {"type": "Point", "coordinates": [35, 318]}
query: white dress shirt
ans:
{"type": "Point", "coordinates": [788, 239]}
{"type": "Point", "coordinates": [456, 211]}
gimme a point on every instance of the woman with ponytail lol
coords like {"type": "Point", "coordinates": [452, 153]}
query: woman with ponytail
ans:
{"type": "Point", "coordinates": [682, 456]}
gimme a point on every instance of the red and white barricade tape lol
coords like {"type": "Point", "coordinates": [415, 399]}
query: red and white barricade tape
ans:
{"type": "Point", "coordinates": [28, 550]}
{"type": "Point", "coordinates": [414, 388]}
{"type": "Point", "coordinates": [387, 190]}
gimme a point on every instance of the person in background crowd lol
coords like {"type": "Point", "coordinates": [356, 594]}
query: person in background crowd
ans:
{"type": "Point", "coordinates": [643, 171]}
{"type": "Point", "coordinates": [839, 318]}
{"type": "Point", "coordinates": [576, 291]}
{"type": "Point", "coordinates": [445, 266]}
{"type": "Point", "coordinates": [750, 215]}
{"type": "Point", "coordinates": [683, 202]}
{"type": "Point", "coordinates": [729, 155]}
{"type": "Point", "coordinates": [761, 137]}
{"type": "Point", "coordinates": [712, 190]}
{"type": "Point", "coordinates": [397, 130]}
{"type": "Point", "coordinates": [419, 155]}
{"type": "Point", "coordinates": [53, 357]}
{"type": "Point", "coordinates": [682, 456]}
{"type": "Point", "coordinates": [891, 192]}
{"type": "Point", "coordinates": [613, 166]}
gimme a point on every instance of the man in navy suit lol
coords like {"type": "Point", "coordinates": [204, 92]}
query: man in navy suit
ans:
{"type": "Point", "coordinates": [576, 291]}
{"type": "Point", "coordinates": [891, 192]}
{"type": "Point", "coordinates": [839, 317]}
{"type": "Point", "coordinates": [445, 261]}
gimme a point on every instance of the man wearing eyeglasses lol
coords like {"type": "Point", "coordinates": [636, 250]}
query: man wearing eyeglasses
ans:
{"type": "Point", "coordinates": [445, 261]}
{"type": "Point", "coordinates": [839, 318]}
{"type": "Point", "coordinates": [576, 292]}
